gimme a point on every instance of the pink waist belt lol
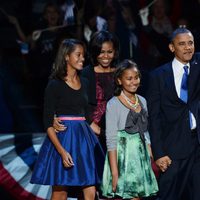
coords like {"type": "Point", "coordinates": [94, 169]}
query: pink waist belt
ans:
{"type": "Point", "coordinates": [72, 118]}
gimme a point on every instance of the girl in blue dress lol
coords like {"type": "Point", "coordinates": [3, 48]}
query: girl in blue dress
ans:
{"type": "Point", "coordinates": [70, 157]}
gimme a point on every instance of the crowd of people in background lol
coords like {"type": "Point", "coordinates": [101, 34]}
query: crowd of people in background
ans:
{"type": "Point", "coordinates": [31, 33]}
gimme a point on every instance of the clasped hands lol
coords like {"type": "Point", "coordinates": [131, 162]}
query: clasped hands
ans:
{"type": "Point", "coordinates": [163, 163]}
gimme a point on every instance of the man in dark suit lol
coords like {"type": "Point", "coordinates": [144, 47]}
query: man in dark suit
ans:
{"type": "Point", "coordinates": [173, 121]}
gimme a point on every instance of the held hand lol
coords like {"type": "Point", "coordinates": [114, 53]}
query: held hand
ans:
{"type": "Point", "coordinates": [163, 163]}
{"type": "Point", "coordinates": [67, 159]}
{"type": "Point", "coordinates": [114, 181]}
{"type": "Point", "coordinates": [57, 125]}
{"type": "Point", "coordinates": [95, 128]}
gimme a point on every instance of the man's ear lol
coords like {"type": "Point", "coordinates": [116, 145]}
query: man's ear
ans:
{"type": "Point", "coordinates": [171, 47]}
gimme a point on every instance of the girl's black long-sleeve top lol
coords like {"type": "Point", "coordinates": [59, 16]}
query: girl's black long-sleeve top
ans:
{"type": "Point", "coordinates": [61, 99]}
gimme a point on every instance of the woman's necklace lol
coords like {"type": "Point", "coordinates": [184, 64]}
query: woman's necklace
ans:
{"type": "Point", "coordinates": [128, 100]}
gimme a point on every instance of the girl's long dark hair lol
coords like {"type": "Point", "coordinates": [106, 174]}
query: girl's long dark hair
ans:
{"type": "Point", "coordinates": [121, 67]}
{"type": "Point", "coordinates": [67, 46]}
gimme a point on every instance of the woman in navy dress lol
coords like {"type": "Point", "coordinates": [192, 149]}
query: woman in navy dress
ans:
{"type": "Point", "coordinates": [70, 157]}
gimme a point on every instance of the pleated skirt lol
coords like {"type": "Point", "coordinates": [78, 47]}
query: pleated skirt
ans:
{"type": "Point", "coordinates": [136, 177]}
{"type": "Point", "coordinates": [88, 157]}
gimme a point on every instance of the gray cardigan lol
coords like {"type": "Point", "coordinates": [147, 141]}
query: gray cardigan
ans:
{"type": "Point", "coordinates": [116, 114]}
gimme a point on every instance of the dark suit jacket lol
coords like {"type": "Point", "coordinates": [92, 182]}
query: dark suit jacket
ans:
{"type": "Point", "coordinates": [169, 125]}
{"type": "Point", "coordinates": [89, 74]}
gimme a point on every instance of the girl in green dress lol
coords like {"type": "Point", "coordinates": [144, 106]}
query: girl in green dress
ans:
{"type": "Point", "coordinates": [127, 169]}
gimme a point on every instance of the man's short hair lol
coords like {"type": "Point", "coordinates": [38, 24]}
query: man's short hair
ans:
{"type": "Point", "coordinates": [177, 32]}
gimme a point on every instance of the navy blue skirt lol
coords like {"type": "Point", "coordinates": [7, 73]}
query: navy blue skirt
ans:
{"type": "Point", "coordinates": [88, 157]}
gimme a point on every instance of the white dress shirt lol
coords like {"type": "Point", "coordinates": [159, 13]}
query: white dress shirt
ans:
{"type": "Point", "coordinates": [178, 72]}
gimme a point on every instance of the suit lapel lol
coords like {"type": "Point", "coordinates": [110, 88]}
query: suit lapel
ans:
{"type": "Point", "coordinates": [169, 80]}
{"type": "Point", "coordinates": [193, 76]}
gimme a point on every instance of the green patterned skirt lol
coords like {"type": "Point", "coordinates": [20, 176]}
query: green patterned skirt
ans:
{"type": "Point", "coordinates": [136, 177]}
